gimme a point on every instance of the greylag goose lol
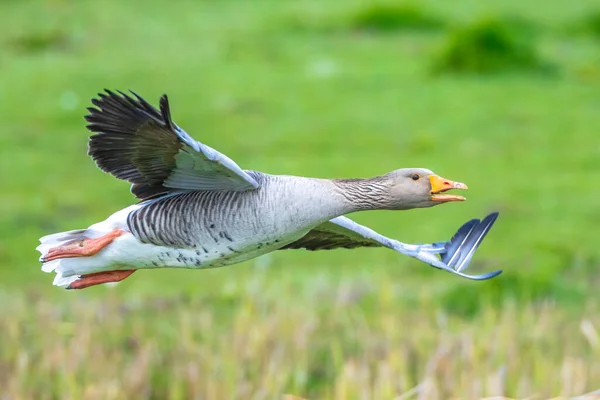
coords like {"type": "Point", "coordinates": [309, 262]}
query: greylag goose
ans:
{"type": "Point", "coordinates": [199, 209]}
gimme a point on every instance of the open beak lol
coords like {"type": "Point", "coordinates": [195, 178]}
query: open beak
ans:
{"type": "Point", "coordinates": [440, 185]}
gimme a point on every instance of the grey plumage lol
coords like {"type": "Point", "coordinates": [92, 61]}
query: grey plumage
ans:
{"type": "Point", "coordinates": [199, 209]}
{"type": "Point", "coordinates": [279, 208]}
{"type": "Point", "coordinates": [201, 197]}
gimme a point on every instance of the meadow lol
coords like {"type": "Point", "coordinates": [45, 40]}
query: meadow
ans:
{"type": "Point", "coordinates": [503, 96]}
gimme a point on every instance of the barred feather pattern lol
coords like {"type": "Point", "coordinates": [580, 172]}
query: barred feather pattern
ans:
{"type": "Point", "coordinates": [365, 194]}
{"type": "Point", "coordinates": [278, 211]}
{"type": "Point", "coordinates": [181, 220]}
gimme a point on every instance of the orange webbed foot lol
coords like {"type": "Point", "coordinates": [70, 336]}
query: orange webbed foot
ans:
{"type": "Point", "coordinates": [82, 247]}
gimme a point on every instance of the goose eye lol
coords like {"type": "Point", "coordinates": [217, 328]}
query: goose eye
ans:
{"type": "Point", "coordinates": [415, 177]}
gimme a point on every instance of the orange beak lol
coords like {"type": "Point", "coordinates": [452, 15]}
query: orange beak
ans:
{"type": "Point", "coordinates": [440, 185]}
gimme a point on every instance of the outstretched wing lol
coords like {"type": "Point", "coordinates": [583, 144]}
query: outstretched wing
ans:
{"type": "Point", "coordinates": [136, 142]}
{"type": "Point", "coordinates": [453, 256]}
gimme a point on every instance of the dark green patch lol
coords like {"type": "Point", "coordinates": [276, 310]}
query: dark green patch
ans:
{"type": "Point", "coordinates": [394, 16]}
{"type": "Point", "coordinates": [588, 25]}
{"type": "Point", "coordinates": [321, 369]}
{"type": "Point", "coordinates": [35, 42]}
{"type": "Point", "coordinates": [492, 45]}
{"type": "Point", "coordinates": [376, 17]}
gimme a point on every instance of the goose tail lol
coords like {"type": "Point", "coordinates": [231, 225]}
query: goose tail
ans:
{"type": "Point", "coordinates": [70, 269]}
{"type": "Point", "coordinates": [64, 266]}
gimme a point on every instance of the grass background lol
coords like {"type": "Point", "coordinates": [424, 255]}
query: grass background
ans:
{"type": "Point", "coordinates": [503, 96]}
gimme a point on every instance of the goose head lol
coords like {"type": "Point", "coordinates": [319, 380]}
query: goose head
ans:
{"type": "Point", "coordinates": [420, 188]}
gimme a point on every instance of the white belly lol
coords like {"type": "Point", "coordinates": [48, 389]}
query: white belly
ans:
{"type": "Point", "coordinates": [126, 252]}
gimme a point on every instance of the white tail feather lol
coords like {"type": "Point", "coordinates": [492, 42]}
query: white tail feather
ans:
{"type": "Point", "coordinates": [64, 281]}
{"type": "Point", "coordinates": [58, 239]}
{"type": "Point", "coordinates": [69, 270]}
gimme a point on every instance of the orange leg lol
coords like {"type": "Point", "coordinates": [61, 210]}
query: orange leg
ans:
{"type": "Point", "coordinates": [83, 247]}
{"type": "Point", "coordinates": [99, 278]}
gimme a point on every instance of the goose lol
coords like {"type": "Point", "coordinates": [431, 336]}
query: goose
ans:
{"type": "Point", "coordinates": [198, 209]}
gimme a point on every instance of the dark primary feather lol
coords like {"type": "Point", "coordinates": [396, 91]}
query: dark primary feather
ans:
{"type": "Point", "coordinates": [134, 141]}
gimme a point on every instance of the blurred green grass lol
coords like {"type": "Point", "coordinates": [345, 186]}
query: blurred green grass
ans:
{"type": "Point", "coordinates": [492, 45]}
{"type": "Point", "coordinates": [322, 102]}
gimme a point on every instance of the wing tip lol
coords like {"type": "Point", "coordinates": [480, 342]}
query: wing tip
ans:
{"type": "Point", "coordinates": [471, 235]}
{"type": "Point", "coordinates": [165, 110]}
{"type": "Point", "coordinates": [489, 275]}
{"type": "Point", "coordinates": [493, 216]}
